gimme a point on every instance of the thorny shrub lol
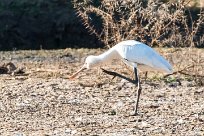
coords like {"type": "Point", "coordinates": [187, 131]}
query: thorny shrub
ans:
{"type": "Point", "coordinates": [156, 23]}
{"type": "Point", "coordinates": [153, 22]}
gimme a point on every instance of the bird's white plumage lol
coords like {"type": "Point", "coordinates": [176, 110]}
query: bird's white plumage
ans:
{"type": "Point", "coordinates": [133, 53]}
{"type": "Point", "coordinates": [146, 58]}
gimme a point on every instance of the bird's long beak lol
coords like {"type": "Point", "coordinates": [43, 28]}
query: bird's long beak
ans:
{"type": "Point", "coordinates": [75, 74]}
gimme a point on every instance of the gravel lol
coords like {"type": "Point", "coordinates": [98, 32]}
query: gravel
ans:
{"type": "Point", "coordinates": [44, 102]}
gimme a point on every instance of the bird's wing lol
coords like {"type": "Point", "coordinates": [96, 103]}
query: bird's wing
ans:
{"type": "Point", "coordinates": [144, 55]}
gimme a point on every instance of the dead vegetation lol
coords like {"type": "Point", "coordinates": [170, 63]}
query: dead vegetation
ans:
{"type": "Point", "coordinates": [153, 22]}
{"type": "Point", "coordinates": [156, 23]}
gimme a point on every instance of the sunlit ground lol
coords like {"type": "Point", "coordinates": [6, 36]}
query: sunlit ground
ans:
{"type": "Point", "coordinates": [43, 101]}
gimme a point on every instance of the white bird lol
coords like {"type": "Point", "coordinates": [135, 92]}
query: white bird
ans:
{"type": "Point", "coordinates": [135, 54]}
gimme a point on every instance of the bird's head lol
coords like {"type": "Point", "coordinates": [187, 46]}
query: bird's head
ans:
{"type": "Point", "coordinates": [91, 61]}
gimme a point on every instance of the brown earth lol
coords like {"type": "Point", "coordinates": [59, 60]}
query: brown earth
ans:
{"type": "Point", "coordinates": [42, 101]}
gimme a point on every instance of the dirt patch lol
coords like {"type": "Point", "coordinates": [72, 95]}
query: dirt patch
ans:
{"type": "Point", "coordinates": [42, 101]}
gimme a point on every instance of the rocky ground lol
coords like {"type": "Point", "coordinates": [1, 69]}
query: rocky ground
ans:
{"type": "Point", "coordinates": [41, 100]}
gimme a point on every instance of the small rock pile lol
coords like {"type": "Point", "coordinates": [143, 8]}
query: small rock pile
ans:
{"type": "Point", "coordinates": [10, 68]}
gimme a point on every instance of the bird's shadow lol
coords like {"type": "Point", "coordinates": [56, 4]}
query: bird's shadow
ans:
{"type": "Point", "coordinates": [115, 74]}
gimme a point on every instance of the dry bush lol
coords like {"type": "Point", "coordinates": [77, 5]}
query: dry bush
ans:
{"type": "Point", "coordinates": [152, 22]}
{"type": "Point", "coordinates": [156, 23]}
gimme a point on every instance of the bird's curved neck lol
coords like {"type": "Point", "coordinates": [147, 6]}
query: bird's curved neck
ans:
{"type": "Point", "coordinates": [108, 55]}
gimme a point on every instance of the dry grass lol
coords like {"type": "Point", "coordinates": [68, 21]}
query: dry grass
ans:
{"type": "Point", "coordinates": [188, 63]}
{"type": "Point", "coordinates": [155, 23]}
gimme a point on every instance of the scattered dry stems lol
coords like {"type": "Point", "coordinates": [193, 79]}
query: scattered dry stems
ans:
{"type": "Point", "coordinates": [154, 22]}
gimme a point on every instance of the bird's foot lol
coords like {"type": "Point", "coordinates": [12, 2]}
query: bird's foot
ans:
{"type": "Point", "coordinates": [134, 113]}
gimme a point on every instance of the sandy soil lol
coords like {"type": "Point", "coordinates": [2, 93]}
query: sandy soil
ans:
{"type": "Point", "coordinates": [42, 101]}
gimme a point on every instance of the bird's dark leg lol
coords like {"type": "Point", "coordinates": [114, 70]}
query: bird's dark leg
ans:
{"type": "Point", "coordinates": [145, 76]}
{"type": "Point", "coordinates": [139, 89]}
{"type": "Point", "coordinates": [114, 74]}
{"type": "Point", "coordinates": [136, 81]}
